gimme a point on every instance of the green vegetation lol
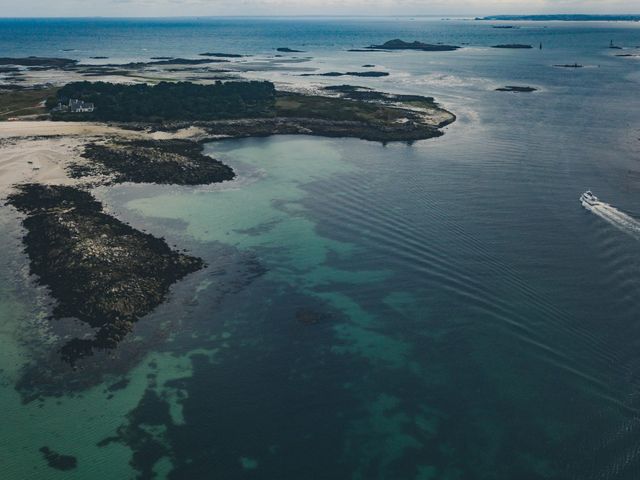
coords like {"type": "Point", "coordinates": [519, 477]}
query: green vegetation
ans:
{"type": "Point", "coordinates": [239, 109]}
{"type": "Point", "coordinates": [356, 104]}
{"type": "Point", "coordinates": [336, 109]}
{"type": "Point", "coordinates": [168, 101]}
{"type": "Point", "coordinates": [16, 103]}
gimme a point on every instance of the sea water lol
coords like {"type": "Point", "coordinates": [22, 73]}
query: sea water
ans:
{"type": "Point", "coordinates": [439, 310]}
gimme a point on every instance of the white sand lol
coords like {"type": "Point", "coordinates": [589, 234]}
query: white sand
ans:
{"type": "Point", "coordinates": [27, 155]}
{"type": "Point", "coordinates": [41, 161]}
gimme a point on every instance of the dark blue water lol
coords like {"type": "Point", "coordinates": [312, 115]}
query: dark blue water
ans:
{"type": "Point", "coordinates": [440, 310]}
{"type": "Point", "coordinates": [143, 38]}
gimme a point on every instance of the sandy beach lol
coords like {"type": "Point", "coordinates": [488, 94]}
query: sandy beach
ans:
{"type": "Point", "coordinates": [40, 151]}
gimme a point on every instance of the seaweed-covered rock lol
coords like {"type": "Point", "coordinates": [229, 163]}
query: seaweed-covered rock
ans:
{"type": "Point", "coordinates": [178, 162]}
{"type": "Point", "coordinates": [100, 270]}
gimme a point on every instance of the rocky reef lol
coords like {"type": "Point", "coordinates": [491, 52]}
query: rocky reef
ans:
{"type": "Point", "coordinates": [177, 162]}
{"type": "Point", "coordinates": [100, 271]}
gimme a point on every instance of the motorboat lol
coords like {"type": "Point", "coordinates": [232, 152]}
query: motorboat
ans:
{"type": "Point", "coordinates": [589, 198]}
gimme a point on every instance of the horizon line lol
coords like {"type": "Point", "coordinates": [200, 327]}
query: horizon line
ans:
{"type": "Point", "coordinates": [405, 15]}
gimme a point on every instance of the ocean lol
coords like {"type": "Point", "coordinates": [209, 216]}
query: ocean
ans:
{"type": "Point", "coordinates": [444, 309]}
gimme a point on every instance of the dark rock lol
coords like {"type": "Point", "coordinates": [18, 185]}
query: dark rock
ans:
{"type": "Point", "coordinates": [288, 50]}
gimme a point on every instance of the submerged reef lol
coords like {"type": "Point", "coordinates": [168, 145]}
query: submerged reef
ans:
{"type": "Point", "coordinates": [57, 460]}
{"type": "Point", "coordinates": [100, 271]}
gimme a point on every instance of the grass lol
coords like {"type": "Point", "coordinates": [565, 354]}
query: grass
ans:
{"type": "Point", "coordinates": [19, 103]}
{"type": "Point", "coordinates": [330, 108]}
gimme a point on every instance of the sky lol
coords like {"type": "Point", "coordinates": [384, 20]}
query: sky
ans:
{"type": "Point", "coordinates": [152, 8]}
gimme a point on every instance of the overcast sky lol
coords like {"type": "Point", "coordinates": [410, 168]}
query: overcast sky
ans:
{"type": "Point", "coordinates": [30, 8]}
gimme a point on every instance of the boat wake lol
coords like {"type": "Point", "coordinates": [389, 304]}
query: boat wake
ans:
{"type": "Point", "coordinates": [615, 217]}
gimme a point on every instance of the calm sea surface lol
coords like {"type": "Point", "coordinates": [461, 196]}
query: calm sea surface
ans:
{"type": "Point", "coordinates": [442, 310]}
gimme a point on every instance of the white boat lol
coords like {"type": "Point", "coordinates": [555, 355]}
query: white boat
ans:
{"type": "Point", "coordinates": [589, 198]}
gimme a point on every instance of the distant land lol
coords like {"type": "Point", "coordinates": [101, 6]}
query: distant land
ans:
{"type": "Point", "coordinates": [566, 18]}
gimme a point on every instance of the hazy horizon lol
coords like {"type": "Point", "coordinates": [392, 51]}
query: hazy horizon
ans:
{"type": "Point", "coordinates": [275, 8]}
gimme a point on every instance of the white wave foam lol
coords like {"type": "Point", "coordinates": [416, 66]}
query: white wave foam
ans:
{"type": "Point", "coordinates": [615, 217]}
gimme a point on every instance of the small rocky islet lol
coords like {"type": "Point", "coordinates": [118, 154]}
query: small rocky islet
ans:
{"type": "Point", "coordinates": [515, 46]}
{"type": "Point", "coordinates": [347, 74]}
{"type": "Point", "coordinates": [516, 88]}
{"type": "Point", "coordinates": [397, 44]}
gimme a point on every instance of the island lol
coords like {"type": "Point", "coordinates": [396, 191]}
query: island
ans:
{"type": "Point", "coordinates": [398, 44]}
{"type": "Point", "coordinates": [512, 45]}
{"type": "Point", "coordinates": [514, 88]}
{"type": "Point", "coordinates": [347, 74]}
{"type": "Point", "coordinates": [239, 109]}
{"type": "Point", "coordinates": [221, 55]}
{"type": "Point", "coordinates": [43, 62]}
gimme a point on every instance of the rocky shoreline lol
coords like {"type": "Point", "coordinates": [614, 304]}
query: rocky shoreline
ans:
{"type": "Point", "coordinates": [264, 127]}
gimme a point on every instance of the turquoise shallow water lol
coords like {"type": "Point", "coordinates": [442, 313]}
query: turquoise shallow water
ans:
{"type": "Point", "coordinates": [441, 310]}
